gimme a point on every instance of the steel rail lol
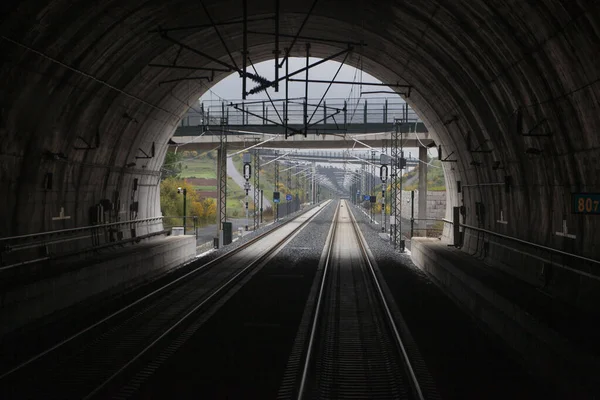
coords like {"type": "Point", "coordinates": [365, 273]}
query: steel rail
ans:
{"type": "Point", "coordinates": [216, 294]}
{"type": "Point", "coordinates": [390, 318]}
{"type": "Point", "coordinates": [381, 297]}
{"type": "Point", "coordinates": [316, 316]}
{"type": "Point", "coordinates": [150, 295]}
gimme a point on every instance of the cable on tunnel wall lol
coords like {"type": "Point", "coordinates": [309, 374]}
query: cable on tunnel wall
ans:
{"type": "Point", "coordinates": [88, 76]}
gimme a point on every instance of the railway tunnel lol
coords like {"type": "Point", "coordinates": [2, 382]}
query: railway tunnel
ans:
{"type": "Point", "coordinates": [507, 90]}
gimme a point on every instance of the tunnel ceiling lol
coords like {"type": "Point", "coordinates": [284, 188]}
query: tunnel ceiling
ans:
{"type": "Point", "coordinates": [74, 71]}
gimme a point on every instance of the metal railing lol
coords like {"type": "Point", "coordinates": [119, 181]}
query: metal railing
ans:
{"type": "Point", "coordinates": [428, 231]}
{"type": "Point", "coordinates": [37, 247]}
{"type": "Point", "coordinates": [330, 111]}
{"type": "Point", "coordinates": [171, 222]}
{"type": "Point", "coordinates": [542, 248]}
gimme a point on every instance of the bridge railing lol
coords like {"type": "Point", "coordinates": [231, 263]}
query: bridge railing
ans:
{"type": "Point", "coordinates": [300, 112]}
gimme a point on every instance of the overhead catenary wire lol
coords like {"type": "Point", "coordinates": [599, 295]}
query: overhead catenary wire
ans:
{"type": "Point", "coordinates": [89, 76]}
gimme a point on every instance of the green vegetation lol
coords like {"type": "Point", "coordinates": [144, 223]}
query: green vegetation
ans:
{"type": "Point", "coordinates": [267, 179]}
{"type": "Point", "coordinates": [172, 166]}
{"type": "Point", "coordinates": [435, 177]}
{"type": "Point", "coordinates": [191, 164]}
{"type": "Point", "coordinates": [171, 204]}
{"type": "Point", "coordinates": [200, 165]}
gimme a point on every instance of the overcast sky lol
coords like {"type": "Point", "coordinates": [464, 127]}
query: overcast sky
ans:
{"type": "Point", "coordinates": [230, 88]}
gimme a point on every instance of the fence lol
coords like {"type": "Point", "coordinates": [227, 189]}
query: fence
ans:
{"type": "Point", "coordinates": [75, 242]}
{"type": "Point", "coordinates": [330, 111]}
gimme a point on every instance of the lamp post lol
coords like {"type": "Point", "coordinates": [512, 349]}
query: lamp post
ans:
{"type": "Point", "coordinates": [184, 192]}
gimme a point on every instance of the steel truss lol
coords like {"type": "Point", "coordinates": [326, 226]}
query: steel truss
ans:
{"type": "Point", "coordinates": [222, 180]}
{"type": "Point", "coordinates": [397, 154]}
{"type": "Point", "coordinates": [263, 83]}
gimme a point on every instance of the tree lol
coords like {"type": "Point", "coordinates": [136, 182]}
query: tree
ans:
{"type": "Point", "coordinates": [172, 165]}
{"type": "Point", "coordinates": [171, 203]}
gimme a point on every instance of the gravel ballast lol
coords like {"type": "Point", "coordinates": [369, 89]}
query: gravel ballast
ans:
{"type": "Point", "coordinates": [464, 361]}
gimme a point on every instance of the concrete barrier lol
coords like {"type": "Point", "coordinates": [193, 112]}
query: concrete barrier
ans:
{"type": "Point", "coordinates": [108, 274]}
{"type": "Point", "coordinates": [542, 350]}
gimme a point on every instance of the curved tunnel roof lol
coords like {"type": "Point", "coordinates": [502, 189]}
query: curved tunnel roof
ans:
{"type": "Point", "coordinates": [76, 71]}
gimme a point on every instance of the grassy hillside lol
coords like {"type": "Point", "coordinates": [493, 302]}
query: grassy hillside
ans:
{"type": "Point", "coordinates": [205, 166]}
{"type": "Point", "coordinates": [267, 179]}
{"type": "Point", "coordinates": [435, 177]}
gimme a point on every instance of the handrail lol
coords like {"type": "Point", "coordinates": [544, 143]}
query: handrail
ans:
{"type": "Point", "coordinates": [539, 246]}
{"type": "Point", "coordinates": [80, 229]}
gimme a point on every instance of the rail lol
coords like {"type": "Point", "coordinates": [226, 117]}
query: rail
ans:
{"type": "Point", "coordinates": [144, 342]}
{"type": "Point", "coordinates": [390, 318]}
{"type": "Point", "coordinates": [317, 315]}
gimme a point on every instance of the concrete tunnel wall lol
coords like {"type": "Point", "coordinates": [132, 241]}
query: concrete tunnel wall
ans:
{"type": "Point", "coordinates": [472, 63]}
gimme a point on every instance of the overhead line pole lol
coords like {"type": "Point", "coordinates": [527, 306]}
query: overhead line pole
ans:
{"type": "Point", "coordinates": [269, 96]}
{"type": "Point", "coordinates": [265, 85]}
{"type": "Point", "coordinates": [277, 46]}
{"type": "Point", "coordinates": [328, 87]}
{"type": "Point", "coordinates": [306, 91]}
{"type": "Point", "coordinates": [287, 82]}
{"type": "Point", "coordinates": [212, 22]}
{"type": "Point", "coordinates": [245, 47]}
{"type": "Point", "coordinates": [287, 54]}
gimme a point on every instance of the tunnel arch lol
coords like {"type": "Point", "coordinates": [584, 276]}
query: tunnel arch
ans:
{"type": "Point", "coordinates": [473, 60]}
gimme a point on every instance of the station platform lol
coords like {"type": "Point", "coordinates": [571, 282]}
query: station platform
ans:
{"type": "Point", "coordinates": [554, 340]}
{"type": "Point", "coordinates": [33, 293]}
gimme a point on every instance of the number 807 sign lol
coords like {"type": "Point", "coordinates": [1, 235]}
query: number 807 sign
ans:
{"type": "Point", "coordinates": [586, 203]}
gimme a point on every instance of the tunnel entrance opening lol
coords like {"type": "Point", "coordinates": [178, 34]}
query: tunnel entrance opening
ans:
{"type": "Point", "coordinates": [112, 98]}
{"type": "Point", "coordinates": [508, 94]}
{"type": "Point", "coordinates": [351, 111]}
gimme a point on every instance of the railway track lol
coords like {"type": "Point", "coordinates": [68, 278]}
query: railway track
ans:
{"type": "Point", "coordinates": [352, 346]}
{"type": "Point", "coordinates": [92, 362]}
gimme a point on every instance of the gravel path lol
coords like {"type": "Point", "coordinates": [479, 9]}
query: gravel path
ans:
{"type": "Point", "coordinates": [239, 179]}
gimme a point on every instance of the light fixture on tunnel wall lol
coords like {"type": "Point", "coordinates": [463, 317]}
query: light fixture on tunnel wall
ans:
{"type": "Point", "coordinates": [451, 120]}
{"type": "Point", "coordinates": [533, 151]}
{"type": "Point", "coordinates": [477, 149]}
{"type": "Point", "coordinates": [447, 159]}
{"type": "Point", "coordinates": [194, 78]}
{"type": "Point", "coordinates": [518, 125]}
{"type": "Point", "coordinates": [507, 183]}
{"type": "Point", "coordinates": [130, 118]}
{"type": "Point", "coordinates": [87, 145]}
{"type": "Point", "coordinates": [48, 181]}
{"type": "Point", "coordinates": [146, 156]}
{"type": "Point", "coordinates": [60, 156]}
